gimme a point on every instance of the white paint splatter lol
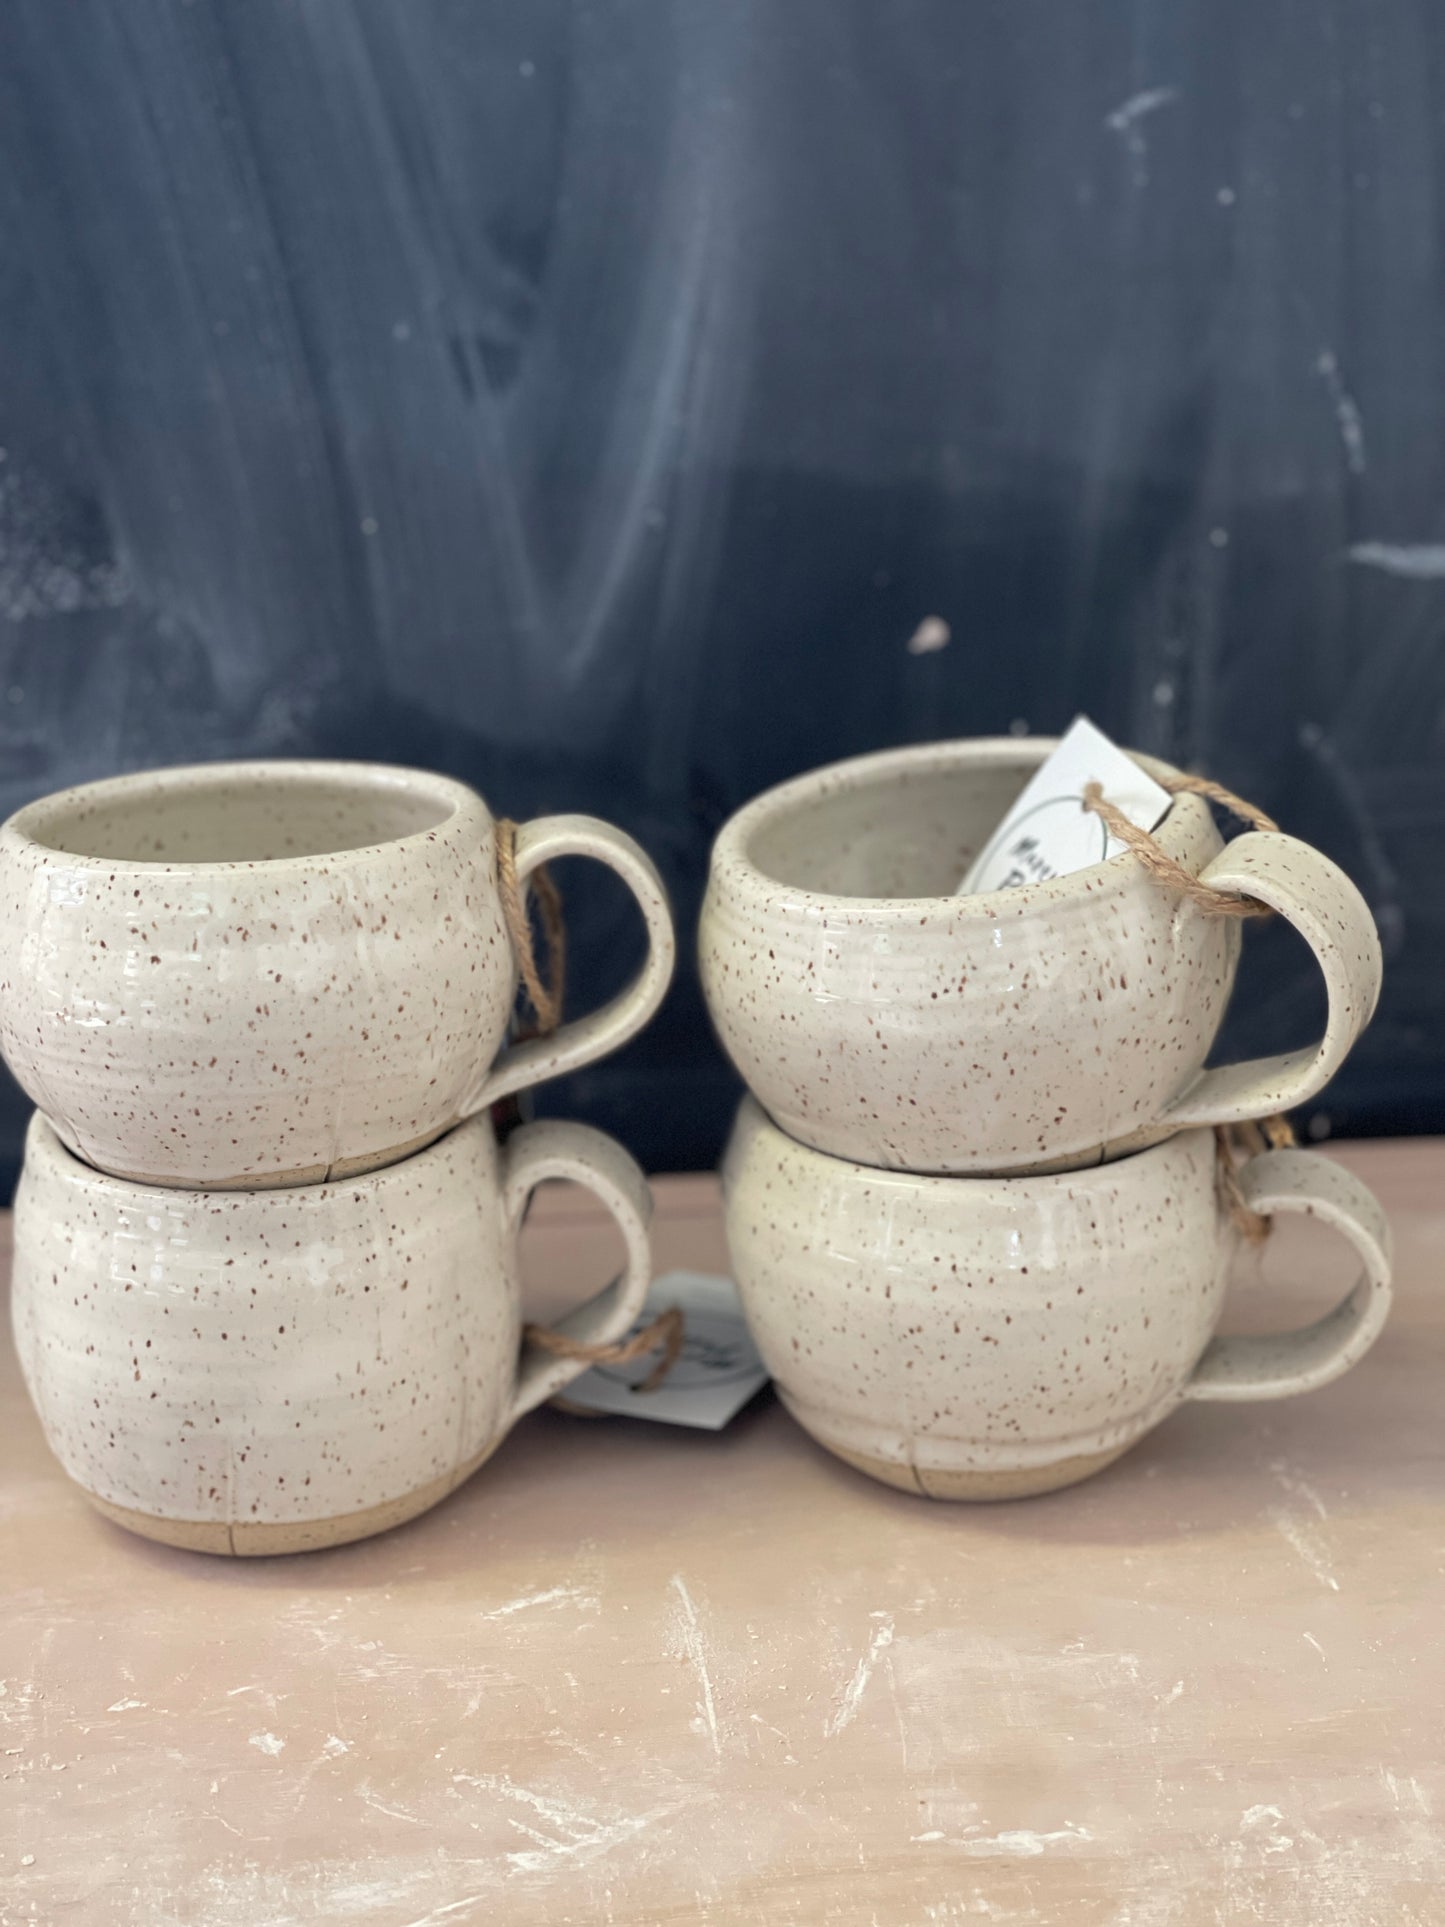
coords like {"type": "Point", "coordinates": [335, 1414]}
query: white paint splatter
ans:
{"type": "Point", "coordinates": [1266, 1820]}
{"type": "Point", "coordinates": [1306, 1542]}
{"type": "Point", "coordinates": [1417, 561]}
{"type": "Point", "coordinates": [932, 634]}
{"type": "Point", "coordinates": [1347, 414]}
{"type": "Point", "coordinates": [333, 1747]}
{"type": "Point", "coordinates": [125, 1706]}
{"type": "Point", "coordinates": [1315, 1643]}
{"type": "Point", "coordinates": [693, 1649]}
{"type": "Point", "coordinates": [1174, 1693]}
{"type": "Point", "coordinates": [1026, 1845]}
{"type": "Point", "coordinates": [1134, 109]}
{"type": "Point", "coordinates": [847, 1708]}
{"type": "Point", "coordinates": [49, 563]}
{"type": "Point", "coordinates": [554, 1596]}
{"type": "Point", "coordinates": [1126, 119]}
{"type": "Point", "coordinates": [268, 1743]}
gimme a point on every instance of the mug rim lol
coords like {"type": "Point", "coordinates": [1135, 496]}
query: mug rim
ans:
{"type": "Point", "coordinates": [49, 1155]}
{"type": "Point", "coordinates": [25, 829]}
{"type": "Point", "coordinates": [1018, 1190]}
{"type": "Point", "coordinates": [1187, 817]}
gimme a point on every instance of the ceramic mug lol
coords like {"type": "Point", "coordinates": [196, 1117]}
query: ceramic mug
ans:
{"type": "Point", "coordinates": [271, 973]}
{"type": "Point", "coordinates": [988, 1338]}
{"type": "Point", "coordinates": [881, 1018]}
{"type": "Point", "coordinates": [270, 1371]}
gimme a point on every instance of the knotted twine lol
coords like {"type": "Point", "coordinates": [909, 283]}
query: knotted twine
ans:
{"type": "Point", "coordinates": [1163, 867]}
{"type": "Point", "coordinates": [545, 997]}
{"type": "Point", "coordinates": [1273, 1133]}
{"type": "Point", "coordinates": [666, 1330]}
{"type": "Point", "coordinates": [1276, 1132]}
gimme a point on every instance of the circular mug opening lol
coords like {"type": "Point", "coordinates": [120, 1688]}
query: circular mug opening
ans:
{"type": "Point", "coordinates": [238, 813]}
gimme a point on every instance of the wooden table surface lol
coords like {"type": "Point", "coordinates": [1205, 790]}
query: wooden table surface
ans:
{"type": "Point", "coordinates": [632, 1674]}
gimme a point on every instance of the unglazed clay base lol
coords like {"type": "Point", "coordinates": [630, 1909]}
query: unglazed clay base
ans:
{"type": "Point", "coordinates": [342, 1356]}
{"type": "Point", "coordinates": [1017, 1334]}
{"type": "Point", "coordinates": [253, 1539]}
{"type": "Point", "coordinates": [1028, 1482]}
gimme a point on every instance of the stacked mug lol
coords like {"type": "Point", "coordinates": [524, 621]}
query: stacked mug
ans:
{"type": "Point", "coordinates": [265, 1290]}
{"type": "Point", "coordinates": [973, 1198]}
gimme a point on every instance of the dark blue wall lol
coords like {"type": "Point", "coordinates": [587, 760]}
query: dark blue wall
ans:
{"type": "Point", "coordinates": [591, 400]}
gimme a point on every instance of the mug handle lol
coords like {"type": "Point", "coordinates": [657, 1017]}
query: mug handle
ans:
{"type": "Point", "coordinates": [1316, 896]}
{"type": "Point", "coordinates": [1282, 1363]}
{"type": "Point", "coordinates": [555, 1148]}
{"type": "Point", "coordinates": [607, 1029]}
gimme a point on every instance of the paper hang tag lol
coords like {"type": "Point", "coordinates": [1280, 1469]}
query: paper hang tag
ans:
{"type": "Point", "coordinates": [1048, 832]}
{"type": "Point", "coordinates": [716, 1373]}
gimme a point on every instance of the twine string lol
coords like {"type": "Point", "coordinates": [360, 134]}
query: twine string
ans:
{"type": "Point", "coordinates": [1274, 1133]}
{"type": "Point", "coordinates": [665, 1331]}
{"type": "Point", "coordinates": [1163, 867]}
{"type": "Point", "coordinates": [544, 997]}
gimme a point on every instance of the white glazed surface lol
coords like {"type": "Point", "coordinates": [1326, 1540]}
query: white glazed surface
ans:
{"type": "Point", "coordinates": [985, 1337]}
{"type": "Point", "coordinates": [270, 973]}
{"type": "Point", "coordinates": [297, 1366]}
{"type": "Point", "coordinates": [878, 1017]}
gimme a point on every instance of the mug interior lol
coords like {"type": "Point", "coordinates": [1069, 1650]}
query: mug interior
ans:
{"type": "Point", "coordinates": [891, 830]}
{"type": "Point", "coordinates": [230, 815]}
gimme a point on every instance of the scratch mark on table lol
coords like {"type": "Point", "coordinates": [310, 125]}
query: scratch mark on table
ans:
{"type": "Point", "coordinates": [767, 1725]}
{"type": "Point", "coordinates": [1418, 1797]}
{"type": "Point", "coordinates": [554, 1596]}
{"type": "Point", "coordinates": [576, 1832]}
{"type": "Point", "coordinates": [692, 1643]}
{"type": "Point", "coordinates": [1298, 1487]}
{"type": "Point", "coordinates": [1306, 1542]}
{"type": "Point", "coordinates": [847, 1709]}
{"type": "Point", "coordinates": [448, 1911]}
{"type": "Point", "coordinates": [365, 1794]}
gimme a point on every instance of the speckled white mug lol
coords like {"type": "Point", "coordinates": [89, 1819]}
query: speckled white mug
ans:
{"type": "Point", "coordinates": [879, 1017]}
{"type": "Point", "coordinates": [988, 1338]}
{"type": "Point", "coordinates": [272, 1371]}
{"type": "Point", "coordinates": [271, 973]}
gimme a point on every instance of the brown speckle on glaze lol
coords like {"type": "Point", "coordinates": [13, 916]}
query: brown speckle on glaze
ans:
{"type": "Point", "coordinates": [878, 1017]}
{"type": "Point", "coordinates": [347, 1352]}
{"type": "Point", "coordinates": [991, 1337]}
{"type": "Point", "coordinates": [237, 974]}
